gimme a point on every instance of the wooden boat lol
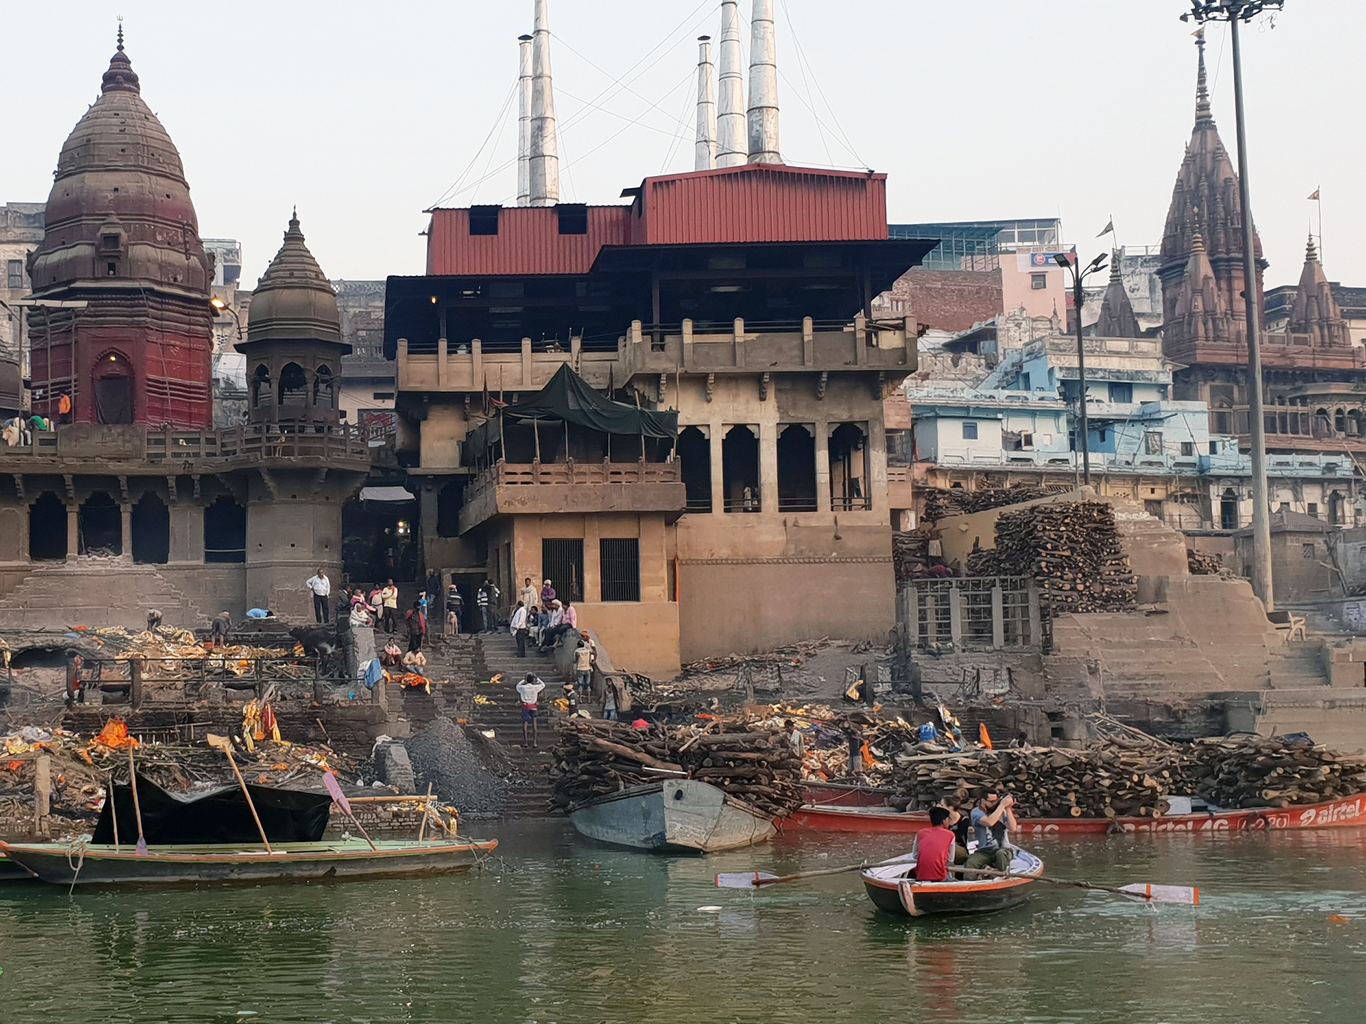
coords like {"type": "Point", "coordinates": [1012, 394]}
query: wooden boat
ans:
{"type": "Point", "coordinates": [222, 863]}
{"type": "Point", "coordinates": [12, 872]}
{"type": "Point", "coordinates": [1347, 812]}
{"type": "Point", "coordinates": [673, 816]}
{"type": "Point", "coordinates": [893, 888]}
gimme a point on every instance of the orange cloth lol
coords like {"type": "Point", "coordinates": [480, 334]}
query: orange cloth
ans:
{"type": "Point", "coordinates": [984, 736]}
{"type": "Point", "coordinates": [64, 405]}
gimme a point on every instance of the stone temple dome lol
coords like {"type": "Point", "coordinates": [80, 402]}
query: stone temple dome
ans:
{"type": "Point", "coordinates": [294, 301]}
{"type": "Point", "coordinates": [120, 206]}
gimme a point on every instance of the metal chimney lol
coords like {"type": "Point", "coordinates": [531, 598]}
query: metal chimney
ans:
{"type": "Point", "coordinates": [730, 111]}
{"type": "Point", "coordinates": [705, 148]}
{"type": "Point", "coordinates": [763, 86]}
{"type": "Point", "coordinates": [545, 158]}
{"type": "Point", "coordinates": [524, 121]}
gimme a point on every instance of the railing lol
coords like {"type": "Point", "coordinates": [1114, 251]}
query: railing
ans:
{"type": "Point", "coordinates": [506, 474]}
{"type": "Point", "coordinates": [247, 441]}
{"type": "Point", "coordinates": [985, 613]}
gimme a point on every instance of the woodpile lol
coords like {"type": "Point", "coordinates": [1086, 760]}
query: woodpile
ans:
{"type": "Point", "coordinates": [910, 554]}
{"type": "Point", "coordinates": [1203, 565]}
{"type": "Point", "coordinates": [597, 758]}
{"type": "Point", "coordinates": [1071, 548]}
{"type": "Point", "coordinates": [1133, 779]}
{"type": "Point", "coordinates": [956, 501]}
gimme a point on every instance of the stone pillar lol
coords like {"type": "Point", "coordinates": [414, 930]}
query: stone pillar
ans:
{"type": "Point", "coordinates": [73, 533]}
{"type": "Point", "coordinates": [955, 615]}
{"type": "Point", "coordinates": [822, 467]}
{"type": "Point", "coordinates": [718, 479]}
{"type": "Point", "coordinates": [768, 466]}
{"type": "Point", "coordinates": [126, 517]}
{"type": "Point", "coordinates": [998, 620]}
{"type": "Point", "coordinates": [1035, 618]}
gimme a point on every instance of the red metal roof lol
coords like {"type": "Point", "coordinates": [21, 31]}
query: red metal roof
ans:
{"type": "Point", "coordinates": [762, 203]}
{"type": "Point", "coordinates": [528, 242]}
{"type": "Point", "coordinates": [750, 203]}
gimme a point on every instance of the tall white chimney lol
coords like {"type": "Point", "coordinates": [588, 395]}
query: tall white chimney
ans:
{"type": "Point", "coordinates": [705, 148]}
{"type": "Point", "coordinates": [524, 121]}
{"type": "Point", "coordinates": [730, 98]}
{"type": "Point", "coordinates": [763, 86]}
{"type": "Point", "coordinates": [545, 157]}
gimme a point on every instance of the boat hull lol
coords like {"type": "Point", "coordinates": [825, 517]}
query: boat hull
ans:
{"type": "Point", "coordinates": [61, 864]}
{"type": "Point", "coordinates": [675, 816]}
{"type": "Point", "coordinates": [1345, 813]}
{"type": "Point", "coordinates": [893, 890]}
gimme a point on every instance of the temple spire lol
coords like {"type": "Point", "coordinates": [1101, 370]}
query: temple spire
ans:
{"type": "Point", "coordinates": [1202, 108]}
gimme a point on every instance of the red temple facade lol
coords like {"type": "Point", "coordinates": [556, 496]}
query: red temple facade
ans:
{"type": "Point", "coordinates": [120, 321]}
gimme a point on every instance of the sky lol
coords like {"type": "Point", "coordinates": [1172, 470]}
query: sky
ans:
{"type": "Point", "coordinates": [366, 114]}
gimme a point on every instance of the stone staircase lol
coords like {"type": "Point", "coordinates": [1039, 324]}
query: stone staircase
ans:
{"type": "Point", "coordinates": [530, 796]}
{"type": "Point", "coordinates": [1298, 665]}
{"type": "Point", "coordinates": [96, 592]}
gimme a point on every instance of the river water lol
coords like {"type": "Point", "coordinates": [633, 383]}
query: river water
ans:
{"type": "Point", "coordinates": [560, 930]}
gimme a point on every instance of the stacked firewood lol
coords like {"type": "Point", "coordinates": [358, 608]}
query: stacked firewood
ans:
{"type": "Point", "coordinates": [597, 758]}
{"type": "Point", "coordinates": [1071, 548]}
{"type": "Point", "coordinates": [1134, 781]}
{"type": "Point", "coordinates": [1201, 564]}
{"type": "Point", "coordinates": [1256, 771]}
{"type": "Point", "coordinates": [956, 501]}
{"type": "Point", "coordinates": [910, 554]}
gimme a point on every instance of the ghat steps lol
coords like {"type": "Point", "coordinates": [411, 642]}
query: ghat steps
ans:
{"type": "Point", "coordinates": [96, 592]}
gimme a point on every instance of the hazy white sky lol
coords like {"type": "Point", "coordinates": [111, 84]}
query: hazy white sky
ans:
{"type": "Point", "coordinates": [365, 114]}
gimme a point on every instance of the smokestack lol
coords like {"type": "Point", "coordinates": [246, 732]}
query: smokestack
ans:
{"type": "Point", "coordinates": [545, 157]}
{"type": "Point", "coordinates": [763, 86]}
{"type": "Point", "coordinates": [524, 121]}
{"type": "Point", "coordinates": [730, 110]}
{"type": "Point", "coordinates": [705, 149]}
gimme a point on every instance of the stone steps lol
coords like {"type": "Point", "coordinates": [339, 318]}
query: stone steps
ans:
{"type": "Point", "coordinates": [96, 593]}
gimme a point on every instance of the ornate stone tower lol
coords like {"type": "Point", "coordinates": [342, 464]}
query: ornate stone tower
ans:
{"type": "Point", "coordinates": [1315, 312]}
{"type": "Point", "coordinates": [131, 339]}
{"type": "Point", "coordinates": [294, 345]}
{"type": "Point", "coordinates": [1205, 214]}
{"type": "Point", "coordinates": [1117, 319]}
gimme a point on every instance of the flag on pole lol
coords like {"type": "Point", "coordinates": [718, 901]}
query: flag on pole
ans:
{"type": "Point", "coordinates": [1315, 196]}
{"type": "Point", "coordinates": [1109, 229]}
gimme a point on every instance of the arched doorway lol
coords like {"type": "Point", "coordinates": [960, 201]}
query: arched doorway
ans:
{"type": "Point", "coordinates": [796, 470]}
{"type": "Point", "coordinates": [849, 468]}
{"type": "Point", "coordinates": [260, 387]}
{"type": "Point", "coordinates": [740, 470]}
{"type": "Point", "coordinates": [324, 389]}
{"type": "Point", "coordinates": [47, 528]}
{"type": "Point", "coordinates": [293, 387]}
{"type": "Point", "coordinates": [694, 457]}
{"type": "Point", "coordinates": [225, 531]}
{"type": "Point", "coordinates": [151, 528]}
{"type": "Point", "coordinates": [113, 387]}
{"type": "Point", "coordinates": [100, 524]}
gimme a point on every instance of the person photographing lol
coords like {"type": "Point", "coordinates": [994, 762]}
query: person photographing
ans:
{"type": "Point", "coordinates": [992, 819]}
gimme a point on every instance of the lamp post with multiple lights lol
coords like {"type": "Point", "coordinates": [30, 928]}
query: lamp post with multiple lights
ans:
{"type": "Point", "coordinates": [1079, 275]}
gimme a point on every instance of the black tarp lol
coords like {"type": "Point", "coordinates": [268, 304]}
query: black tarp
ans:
{"type": "Point", "coordinates": [217, 816]}
{"type": "Point", "coordinates": [568, 397]}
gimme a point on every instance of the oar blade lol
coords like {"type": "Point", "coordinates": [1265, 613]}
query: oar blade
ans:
{"type": "Point", "coordinates": [1145, 893]}
{"type": "Point", "coordinates": [744, 879]}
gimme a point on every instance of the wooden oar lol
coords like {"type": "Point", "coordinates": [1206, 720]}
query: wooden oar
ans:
{"type": "Point", "coordinates": [141, 848]}
{"type": "Point", "coordinates": [761, 879]}
{"type": "Point", "coordinates": [1144, 892]}
{"type": "Point", "coordinates": [224, 744]}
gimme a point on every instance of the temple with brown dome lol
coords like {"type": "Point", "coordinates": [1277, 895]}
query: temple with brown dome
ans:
{"type": "Point", "coordinates": [124, 329]}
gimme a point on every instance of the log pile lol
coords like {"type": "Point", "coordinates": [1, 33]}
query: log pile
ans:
{"type": "Point", "coordinates": [910, 554]}
{"type": "Point", "coordinates": [1071, 548]}
{"type": "Point", "coordinates": [1134, 780]}
{"type": "Point", "coordinates": [1203, 565]}
{"type": "Point", "coordinates": [956, 501]}
{"type": "Point", "coordinates": [596, 758]}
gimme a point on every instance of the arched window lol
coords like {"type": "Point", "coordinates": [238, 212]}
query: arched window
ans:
{"type": "Point", "coordinates": [694, 456]}
{"type": "Point", "coordinates": [151, 527]}
{"type": "Point", "coordinates": [293, 386]}
{"type": "Point", "coordinates": [225, 531]}
{"type": "Point", "coordinates": [47, 528]}
{"type": "Point", "coordinates": [740, 470]}
{"type": "Point", "coordinates": [113, 386]}
{"type": "Point", "coordinates": [324, 389]}
{"type": "Point", "coordinates": [100, 522]}
{"type": "Point", "coordinates": [796, 470]}
{"type": "Point", "coordinates": [1340, 421]}
{"type": "Point", "coordinates": [260, 386]}
{"type": "Point", "coordinates": [849, 469]}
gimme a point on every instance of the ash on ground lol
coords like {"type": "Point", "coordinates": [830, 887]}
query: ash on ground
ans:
{"type": "Point", "coordinates": [463, 771]}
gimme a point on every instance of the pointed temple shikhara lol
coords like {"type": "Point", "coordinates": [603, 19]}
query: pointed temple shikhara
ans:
{"type": "Point", "coordinates": [1310, 371]}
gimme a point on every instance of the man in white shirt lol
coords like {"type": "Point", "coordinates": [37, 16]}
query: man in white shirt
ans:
{"type": "Point", "coordinates": [518, 626]}
{"type": "Point", "coordinates": [322, 590]}
{"type": "Point", "coordinates": [528, 595]}
{"type": "Point", "coordinates": [529, 690]}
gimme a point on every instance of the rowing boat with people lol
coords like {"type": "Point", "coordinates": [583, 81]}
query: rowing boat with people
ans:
{"type": "Point", "coordinates": [893, 888]}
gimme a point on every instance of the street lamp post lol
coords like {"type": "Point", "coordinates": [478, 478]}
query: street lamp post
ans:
{"type": "Point", "coordinates": [1078, 276]}
{"type": "Point", "coordinates": [1235, 12]}
{"type": "Point", "coordinates": [220, 306]}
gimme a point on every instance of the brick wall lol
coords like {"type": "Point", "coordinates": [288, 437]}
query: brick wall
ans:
{"type": "Point", "coordinates": [950, 300]}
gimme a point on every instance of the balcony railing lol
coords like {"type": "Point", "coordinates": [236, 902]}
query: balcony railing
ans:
{"type": "Point", "coordinates": [506, 474]}
{"type": "Point", "coordinates": [244, 442]}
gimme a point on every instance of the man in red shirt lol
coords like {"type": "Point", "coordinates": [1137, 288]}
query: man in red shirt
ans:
{"type": "Point", "coordinates": [934, 848]}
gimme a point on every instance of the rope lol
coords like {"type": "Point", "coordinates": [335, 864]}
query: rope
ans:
{"type": "Point", "coordinates": [76, 846]}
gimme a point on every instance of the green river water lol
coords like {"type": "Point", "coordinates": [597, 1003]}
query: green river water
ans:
{"type": "Point", "coordinates": [561, 930]}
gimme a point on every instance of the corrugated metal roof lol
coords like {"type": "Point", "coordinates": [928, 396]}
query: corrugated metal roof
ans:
{"type": "Point", "coordinates": [751, 203]}
{"type": "Point", "coordinates": [762, 203]}
{"type": "Point", "coordinates": [528, 242]}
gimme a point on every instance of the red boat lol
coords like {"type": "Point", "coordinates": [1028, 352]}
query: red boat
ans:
{"type": "Point", "coordinates": [1345, 813]}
